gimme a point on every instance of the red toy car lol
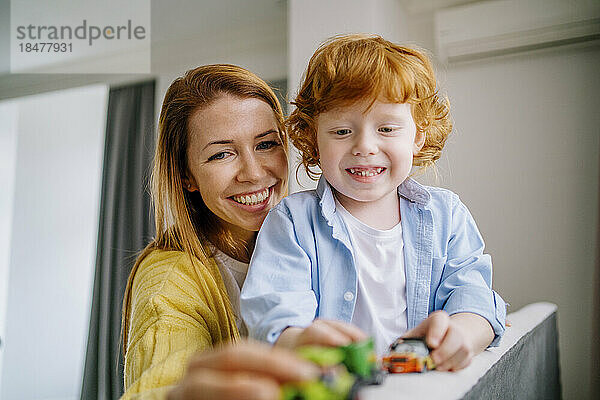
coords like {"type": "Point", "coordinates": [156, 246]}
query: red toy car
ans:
{"type": "Point", "coordinates": [408, 355]}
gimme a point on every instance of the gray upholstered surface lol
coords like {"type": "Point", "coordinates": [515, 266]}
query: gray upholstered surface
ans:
{"type": "Point", "coordinates": [524, 366]}
{"type": "Point", "coordinates": [528, 370]}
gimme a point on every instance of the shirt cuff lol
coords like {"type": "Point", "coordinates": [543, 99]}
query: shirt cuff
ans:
{"type": "Point", "coordinates": [483, 302]}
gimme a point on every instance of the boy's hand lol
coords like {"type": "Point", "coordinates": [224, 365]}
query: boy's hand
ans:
{"type": "Point", "coordinates": [321, 332]}
{"type": "Point", "coordinates": [455, 339]}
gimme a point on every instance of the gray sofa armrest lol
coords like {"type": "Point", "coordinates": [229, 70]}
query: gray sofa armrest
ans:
{"type": "Point", "coordinates": [523, 366]}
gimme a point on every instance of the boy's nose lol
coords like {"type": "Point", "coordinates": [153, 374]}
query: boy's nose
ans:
{"type": "Point", "coordinates": [364, 145]}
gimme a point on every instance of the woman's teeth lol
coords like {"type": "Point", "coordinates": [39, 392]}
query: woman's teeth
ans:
{"type": "Point", "coordinates": [253, 199]}
{"type": "Point", "coordinates": [366, 172]}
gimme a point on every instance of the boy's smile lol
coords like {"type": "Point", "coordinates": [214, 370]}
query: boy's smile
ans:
{"type": "Point", "coordinates": [366, 154]}
{"type": "Point", "coordinates": [361, 173]}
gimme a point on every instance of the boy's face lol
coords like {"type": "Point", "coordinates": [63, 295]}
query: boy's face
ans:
{"type": "Point", "coordinates": [365, 156]}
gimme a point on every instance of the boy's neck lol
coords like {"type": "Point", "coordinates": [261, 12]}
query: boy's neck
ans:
{"type": "Point", "coordinates": [381, 214]}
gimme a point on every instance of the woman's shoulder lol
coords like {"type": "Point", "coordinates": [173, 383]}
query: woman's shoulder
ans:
{"type": "Point", "coordinates": [162, 271]}
{"type": "Point", "coordinates": [159, 263]}
{"type": "Point", "coordinates": [159, 258]}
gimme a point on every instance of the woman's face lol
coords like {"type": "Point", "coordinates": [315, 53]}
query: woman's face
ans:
{"type": "Point", "coordinates": [237, 162]}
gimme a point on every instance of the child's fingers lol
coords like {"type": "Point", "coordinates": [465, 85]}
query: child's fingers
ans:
{"type": "Point", "coordinates": [433, 329]}
{"type": "Point", "coordinates": [350, 330]}
{"type": "Point", "coordinates": [253, 357]}
{"type": "Point", "coordinates": [323, 336]}
{"type": "Point", "coordinates": [462, 364]}
{"type": "Point", "coordinates": [452, 352]}
{"type": "Point", "coordinates": [324, 333]}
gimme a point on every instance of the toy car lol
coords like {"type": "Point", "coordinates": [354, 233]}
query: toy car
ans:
{"type": "Point", "coordinates": [343, 371]}
{"type": "Point", "coordinates": [408, 355]}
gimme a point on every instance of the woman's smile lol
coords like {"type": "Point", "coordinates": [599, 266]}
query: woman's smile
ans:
{"type": "Point", "coordinates": [251, 200]}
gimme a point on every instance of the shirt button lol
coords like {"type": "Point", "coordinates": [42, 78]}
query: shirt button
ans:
{"type": "Point", "coordinates": [348, 296]}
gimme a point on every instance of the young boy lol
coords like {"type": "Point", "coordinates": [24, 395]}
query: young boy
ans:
{"type": "Point", "coordinates": [371, 246]}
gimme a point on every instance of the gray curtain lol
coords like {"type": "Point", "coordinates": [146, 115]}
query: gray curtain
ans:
{"type": "Point", "coordinates": [595, 356]}
{"type": "Point", "coordinates": [125, 227]}
{"type": "Point", "coordinates": [280, 89]}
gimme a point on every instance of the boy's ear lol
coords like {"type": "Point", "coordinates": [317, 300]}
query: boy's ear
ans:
{"type": "Point", "coordinates": [419, 141]}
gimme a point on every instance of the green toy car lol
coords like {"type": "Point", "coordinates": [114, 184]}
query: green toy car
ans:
{"type": "Point", "coordinates": [344, 370]}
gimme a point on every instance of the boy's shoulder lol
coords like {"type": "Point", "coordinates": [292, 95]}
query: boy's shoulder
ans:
{"type": "Point", "coordinates": [415, 188]}
{"type": "Point", "coordinates": [304, 200]}
{"type": "Point", "coordinates": [441, 192]}
{"type": "Point", "coordinates": [437, 197]}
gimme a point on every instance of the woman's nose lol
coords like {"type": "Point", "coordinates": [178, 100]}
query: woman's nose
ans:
{"type": "Point", "coordinates": [365, 144]}
{"type": "Point", "coordinates": [251, 169]}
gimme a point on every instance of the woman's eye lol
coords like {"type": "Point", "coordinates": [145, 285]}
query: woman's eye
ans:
{"type": "Point", "coordinates": [386, 129]}
{"type": "Point", "coordinates": [342, 132]}
{"type": "Point", "coordinates": [267, 144]}
{"type": "Point", "coordinates": [218, 156]}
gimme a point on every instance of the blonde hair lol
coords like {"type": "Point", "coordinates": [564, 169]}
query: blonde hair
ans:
{"type": "Point", "coordinates": [183, 222]}
{"type": "Point", "coordinates": [349, 68]}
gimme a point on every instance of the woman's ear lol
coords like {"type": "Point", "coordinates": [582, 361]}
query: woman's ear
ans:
{"type": "Point", "coordinates": [419, 141]}
{"type": "Point", "coordinates": [189, 184]}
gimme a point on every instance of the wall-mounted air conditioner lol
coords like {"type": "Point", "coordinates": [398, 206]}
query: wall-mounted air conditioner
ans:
{"type": "Point", "coordinates": [496, 27]}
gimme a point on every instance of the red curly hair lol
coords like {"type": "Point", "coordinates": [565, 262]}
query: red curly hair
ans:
{"type": "Point", "coordinates": [350, 68]}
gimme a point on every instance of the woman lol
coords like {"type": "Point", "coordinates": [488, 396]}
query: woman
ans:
{"type": "Point", "coordinates": [220, 166]}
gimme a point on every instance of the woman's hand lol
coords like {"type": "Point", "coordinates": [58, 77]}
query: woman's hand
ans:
{"type": "Point", "coordinates": [455, 339]}
{"type": "Point", "coordinates": [248, 370]}
{"type": "Point", "coordinates": [321, 332]}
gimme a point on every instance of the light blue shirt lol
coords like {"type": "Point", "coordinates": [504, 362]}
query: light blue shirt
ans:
{"type": "Point", "coordinates": [303, 263]}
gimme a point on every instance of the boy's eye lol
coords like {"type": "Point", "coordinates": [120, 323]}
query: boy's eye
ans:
{"type": "Point", "coordinates": [267, 144]}
{"type": "Point", "coordinates": [390, 129]}
{"type": "Point", "coordinates": [342, 132]}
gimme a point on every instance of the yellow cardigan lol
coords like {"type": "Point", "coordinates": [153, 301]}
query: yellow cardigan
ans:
{"type": "Point", "coordinates": [177, 309]}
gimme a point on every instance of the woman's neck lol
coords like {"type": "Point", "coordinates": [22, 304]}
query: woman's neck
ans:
{"type": "Point", "coordinates": [242, 248]}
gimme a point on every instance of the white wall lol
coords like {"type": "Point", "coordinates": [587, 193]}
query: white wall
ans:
{"type": "Point", "coordinates": [53, 245]}
{"type": "Point", "coordinates": [524, 158]}
{"type": "Point", "coordinates": [249, 34]}
{"type": "Point", "coordinates": [8, 146]}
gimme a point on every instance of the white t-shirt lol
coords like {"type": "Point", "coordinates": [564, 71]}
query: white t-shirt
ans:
{"type": "Point", "coordinates": [380, 308]}
{"type": "Point", "coordinates": [233, 273]}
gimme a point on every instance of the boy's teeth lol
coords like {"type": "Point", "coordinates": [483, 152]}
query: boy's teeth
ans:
{"type": "Point", "coordinates": [252, 199]}
{"type": "Point", "coordinates": [370, 172]}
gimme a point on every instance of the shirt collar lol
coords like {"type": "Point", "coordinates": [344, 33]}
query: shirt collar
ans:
{"type": "Point", "coordinates": [415, 192]}
{"type": "Point", "coordinates": [410, 189]}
